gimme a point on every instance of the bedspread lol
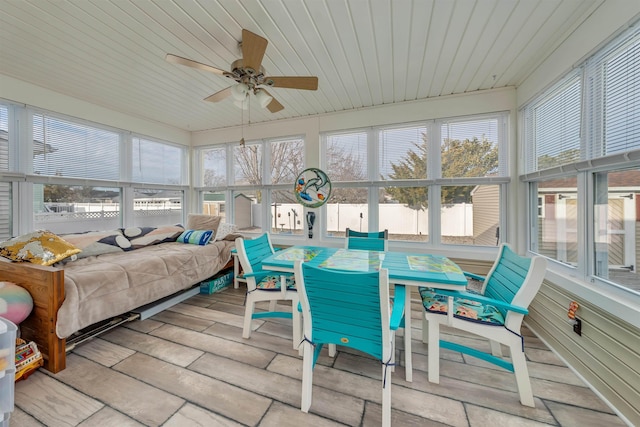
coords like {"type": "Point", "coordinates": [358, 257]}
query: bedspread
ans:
{"type": "Point", "coordinates": [100, 287]}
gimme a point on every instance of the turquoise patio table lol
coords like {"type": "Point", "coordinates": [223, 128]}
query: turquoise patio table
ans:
{"type": "Point", "coordinates": [408, 269]}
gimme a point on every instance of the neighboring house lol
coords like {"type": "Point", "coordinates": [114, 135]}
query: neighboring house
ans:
{"type": "Point", "coordinates": [486, 228]}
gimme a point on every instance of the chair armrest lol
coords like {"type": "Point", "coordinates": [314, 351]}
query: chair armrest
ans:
{"type": "Point", "coordinates": [398, 307]}
{"type": "Point", "coordinates": [474, 276]}
{"type": "Point", "coordinates": [483, 299]}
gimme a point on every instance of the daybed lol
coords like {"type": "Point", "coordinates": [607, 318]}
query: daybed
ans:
{"type": "Point", "coordinates": [82, 292]}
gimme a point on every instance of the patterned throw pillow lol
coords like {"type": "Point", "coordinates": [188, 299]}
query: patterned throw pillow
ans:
{"type": "Point", "coordinates": [98, 242]}
{"type": "Point", "coordinates": [465, 309]}
{"type": "Point", "coordinates": [40, 247]}
{"type": "Point", "coordinates": [145, 236]}
{"type": "Point", "coordinates": [224, 229]}
{"type": "Point", "coordinates": [196, 237]}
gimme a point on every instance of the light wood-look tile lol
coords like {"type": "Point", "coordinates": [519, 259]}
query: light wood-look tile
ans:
{"type": "Point", "coordinates": [190, 366]}
{"type": "Point", "coordinates": [228, 400]}
{"type": "Point", "coordinates": [137, 399]}
{"type": "Point", "coordinates": [54, 403]}
{"type": "Point", "coordinates": [194, 416]}
{"type": "Point", "coordinates": [103, 352]}
{"type": "Point", "coordinates": [153, 346]}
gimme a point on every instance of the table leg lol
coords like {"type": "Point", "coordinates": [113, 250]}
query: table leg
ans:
{"type": "Point", "coordinates": [407, 335]}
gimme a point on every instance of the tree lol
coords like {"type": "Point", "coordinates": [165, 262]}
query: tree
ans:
{"type": "Point", "coordinates": [414, 166]}
{"type": "Point", "coordinates": [568, 156]}
{"type": "Point", "coordinates": [56, 193]}
{"type": "Point", "coordinates": [459, 158]}
{"type": "Point", "coordinates": [345, 166]}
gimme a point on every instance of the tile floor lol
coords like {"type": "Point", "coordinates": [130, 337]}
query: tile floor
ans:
{"type": "Point", "coordinates": [189, 366]}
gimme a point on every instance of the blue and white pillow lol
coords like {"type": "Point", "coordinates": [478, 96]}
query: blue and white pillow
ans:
{"type": "Point", "coordinates": [196, 237]}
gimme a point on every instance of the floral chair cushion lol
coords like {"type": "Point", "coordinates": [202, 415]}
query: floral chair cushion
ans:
{"type": "Point", "coordinates": [463, 308]}
{"type": "Point", "coordinates": [272, 283]}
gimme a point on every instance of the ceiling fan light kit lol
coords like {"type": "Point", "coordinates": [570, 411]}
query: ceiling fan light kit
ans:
{"type": "Point", "coordinates": [263, 98]}
{"type": "Point", "coordinates": [239, 91]}
{"type": "Point", "coordinates": [249, 75]}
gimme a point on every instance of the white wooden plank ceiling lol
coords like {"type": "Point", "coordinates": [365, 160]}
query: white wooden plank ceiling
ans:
{"type": "Point", "coordinates": [364, 52]}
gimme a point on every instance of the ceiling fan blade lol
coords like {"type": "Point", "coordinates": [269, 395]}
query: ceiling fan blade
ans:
{"type": "Point", "coordinates": [274, 106]}
{"type": "Point", "coordinates": [253, 48]}
{"type": "Point", "coordinates": [174, 59]}
{"type": "Point", "coordinates": [219, 96]}
{"type": "Point", "coordinates": [306, 83]}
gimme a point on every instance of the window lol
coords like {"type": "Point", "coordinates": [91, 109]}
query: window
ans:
{"type": "Point", "coordinates": [153, 207]}
{"type": "Point", "coordinates": [247, 164]}
{"type": "Point", "coordinates": [470, 148]}
{"type": "Point", "coordinates": [156, 162]}
{"type": "Point", "coordinates": [67, 149]}
{"type": "Point", "coordinates": [256, 182]}
{"type": "Point", "coordinates": [411, 165]}
{"type": "Point", "coordinates": [585, 213]}
{"type": "Point", "coordinates": [557, 228]}
{"type": "Point", "coordinates": [554, 123]}
{"type": "Point", "coordinates": [346, 156]}
{"type": "Point", "coordinates": [402, 153]}
{"type": "Point", "coordinates": [287, 160]}
{"type": "Point", "coordinates": [214, 166]}
{"type": "Point", "coordinates": [414, 225]}
{"type": "Point", "coordinates": [616, 221]}
{"type": "Point", "coordinates": [64, 208]}
{"type": "Point", "coordinates": [5, 187]}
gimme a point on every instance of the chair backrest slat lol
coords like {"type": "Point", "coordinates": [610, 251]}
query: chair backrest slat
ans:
{"type": "Point", "coordinates": [258, 249]}
{"type": "Point", "coordinates": [345, 308]}
{"type": "Point", "coordinates": [372, 234]}
{"type": "Point", "coordinates": [507, 277]}
{"type": "Point", "coordinates": [372, 241]}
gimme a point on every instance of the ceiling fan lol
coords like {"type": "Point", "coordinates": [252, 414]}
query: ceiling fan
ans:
{"type": "Point", "coordinates": [249, 75]}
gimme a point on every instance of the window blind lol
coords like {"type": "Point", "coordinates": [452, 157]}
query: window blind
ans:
{"type": "Point", "coordinates": [156, 162]}
{"type": "Point", "coordinates": [470, 148]}
{"type": "Point", "coordinates": [346, 156]}
{"type": "Point", "coordinates": [402, 153]}
{"type": "Point", "coordinates": [287, 160]}
{"type": "Point", "coordinates": [68, 149]}
{"type": "Point", "coordinates": [552, 125]}
{"type": "Point", "coordinates": [5, 187]}
{"type": "Point", "coordinates": [214, 166]}
{"type": "Point", "coordinates": [613, 78]}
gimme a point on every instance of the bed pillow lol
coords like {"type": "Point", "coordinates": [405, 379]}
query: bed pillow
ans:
{"type": "Point", "coordinates": [203, 222]}
{"type": "Point", "coordinates": [225, 229]}
{"type": "Point", "coordinates": [40, 247]}
{"type": "Point", "coordinates": [196, 237]}
{"type": "Point", "coordinates": [146, 236]}
{"type": "Point", "coordinates": [97, 243]}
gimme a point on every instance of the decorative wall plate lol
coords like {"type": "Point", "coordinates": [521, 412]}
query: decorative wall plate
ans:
{"type": "Point", "coordinates": [312, 188]}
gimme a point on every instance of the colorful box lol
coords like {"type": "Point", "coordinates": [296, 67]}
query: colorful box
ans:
{"type": "Point", "coordinates": [217, 282]}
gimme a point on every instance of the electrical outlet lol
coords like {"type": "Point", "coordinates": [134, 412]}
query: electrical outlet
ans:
{"type": "Point", "coordinates": [577, 327]}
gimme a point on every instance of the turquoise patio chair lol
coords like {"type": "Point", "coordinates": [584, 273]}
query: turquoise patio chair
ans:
{"type": "Point", "coordinates": [349, 309]}
{"type": "Point", "coordinates": [372, 241]}
{"type": "Point", "coordinates": [266, 285]}
{"type": "Point", "coordinates": [496, 313]}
